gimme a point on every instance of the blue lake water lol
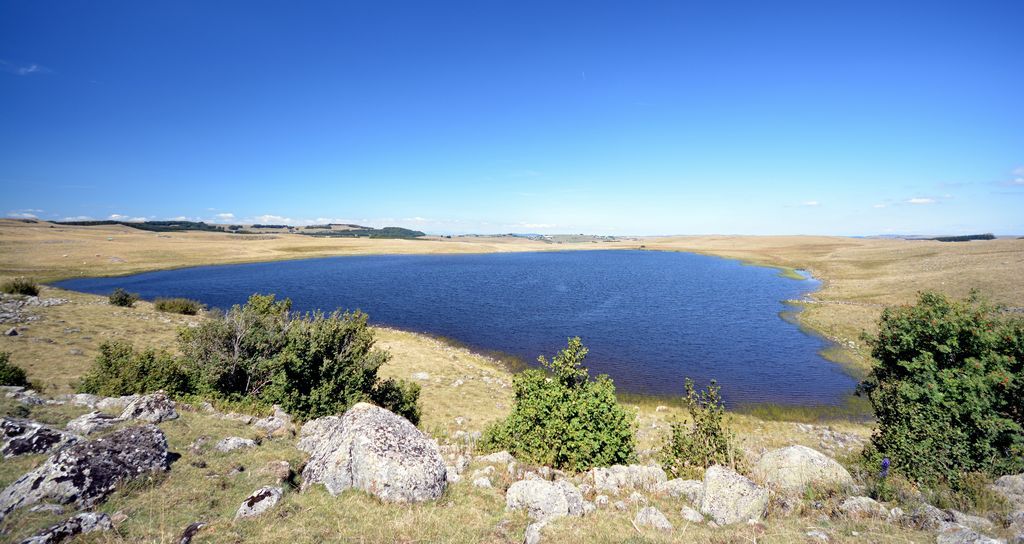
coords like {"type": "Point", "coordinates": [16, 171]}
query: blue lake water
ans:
{"type": "Point", "coordinates": [650, 318]}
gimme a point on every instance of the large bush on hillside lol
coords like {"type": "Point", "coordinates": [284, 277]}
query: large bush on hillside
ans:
{"type": "Point", "coordinates": [121, 370]}
{"type": "Point", "coordinates": [565, 420]}
{"type": "Point", "coordinates": [705, 441]}
{"type": "Point", "coordinates": [312, 365]}
{"type": "Point", "coordinates": [11, 374]}
{"type": "Point", "coordinates": [947, 390]}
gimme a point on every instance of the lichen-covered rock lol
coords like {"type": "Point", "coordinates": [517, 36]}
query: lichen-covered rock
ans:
{"type": "Point", "coordinates": [573, 497]}
{"type": "Point", "coordinates": [1011, 487]}
{"type": "Point", "coordinates": [541, 499]}
{"type": "Point", "coordinates": [92, 422]}
{"type": "Point", "coordinates": [794, 468]}
{"type": "Point", "coordinates": [23, 437]}
{"type": "Point", "coordinates": [533, 531]}
{"type": "Point", "coordinates": [652, 517]}
{"type": "Point", "coordinates": [928, 518]}
{"type": "Point", "coordinates": [731, 498]}
{"type": "Point", "coordinates": [152, 408]}
{"type": "Point", "coordinates": [954, 533]}
{"type": "Point", "coordinates": [372, 449]}
{"type": "Point", "coordinates": [617, 478]}
{"type": "Point", "coordinates": [863, 508]}
{"type": "Point", "coordinates": [691, 515]}
{"type": "Point", "coordinates": [501, 457]}
{"type": "Point", "coordinates": [691, 490]}
{"type": "Point", "coordinates": [115, 403]}
{"type": "Point", "coordinates": [259, 501]}
{"type": "Point", "coordinates": [86, 522]}
{"type": "Point", "coordinates": [84, 474]}
{"type": "Point", "coordinates": [974, 522]}
{"type": "Point", "coordinates": [233, 443]}
{"type": "Point", "coordinates": [277, 424]}
{"type": "Point", "coordinates": [316, 430]}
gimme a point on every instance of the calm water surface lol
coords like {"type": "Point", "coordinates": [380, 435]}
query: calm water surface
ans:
{"type": "Point", "coordinates": [649, 318]}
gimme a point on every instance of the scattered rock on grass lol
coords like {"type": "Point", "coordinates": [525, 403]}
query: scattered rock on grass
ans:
{"type": "Point", "coordinates": [86, 522]}
{"type": "Point", "coordinates": [794, 468]}
{"type": "Point", "coordinates": [259, 501]}
{"type": "Point", "coordinates": [731, 498]}
{"type": "Point", "coordinates": [652, 517]}
{"type": "Point", "coordinates": [22, 437]}
{"type": "Point", "coordinates": [691, 490]}
{"type": "Point", "coordinates": [619, 478]}
{"type": "Point", "coordinates": [544, 500]}
{"type": "Point", "coordinates": [152, 408]}
{"type": "Point", "coordinates": [863, 508]}
{"type": "Point", "coordinates": [233, 443]}
{"type": "Point", "coordinates": [691, 515]}
{"type": "Point", "coordinates": [92, 422]}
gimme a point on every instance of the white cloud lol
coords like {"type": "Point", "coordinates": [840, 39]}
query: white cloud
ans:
{"type": "Point", "coordinates": [1019, 171]}
{"type": "Point", "coordinates": [21, 215]}
{"type": "Point", "coordinates": [879, 206]}
{"type": "Point", "coordinates": [78, 218]}
{"type": "Point", "coordinates": [225, 216]}
{"type": "Point", "coordinates": [810, 203]}
{"type": "Point", "coordinates": [23, 69]}
{"type": "Point", "coordinates": [120, 217]}
{"type": "Point", "coordinates": [920, 200]}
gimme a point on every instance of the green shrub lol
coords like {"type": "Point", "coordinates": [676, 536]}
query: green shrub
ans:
{"type": "Point", "coordinates": [565, 421]}
{"type": "Point", "coordinates": [120, 297]}
{"type": "Point", "coordinates": [182, 306]}
{"type": "Point", "coordinates": [11, 374]}
{"type": "Point", "coordinates": [20, 286]}
{"type": "Point", "coordinates": [946, 389]}
{"type": "Point", "coordinates": [695, 447]}
{"type": "Point", "coordinates": [120, 370]}
{"type": "Point", "coordinates": [312, 365]}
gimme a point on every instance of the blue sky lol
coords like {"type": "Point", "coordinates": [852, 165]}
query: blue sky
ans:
{"type": "Point", "coordinates": [482, 116]}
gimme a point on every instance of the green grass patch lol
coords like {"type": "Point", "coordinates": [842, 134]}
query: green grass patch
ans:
{"type": "Point", "coordinates": [183, 306]}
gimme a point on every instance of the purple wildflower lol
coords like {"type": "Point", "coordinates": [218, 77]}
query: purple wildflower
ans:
{"type": "Point", "coordinates": [885, 467]}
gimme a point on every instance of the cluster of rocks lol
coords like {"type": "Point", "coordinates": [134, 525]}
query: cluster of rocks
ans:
{"type": "Point", "coordinates": [13, 307]}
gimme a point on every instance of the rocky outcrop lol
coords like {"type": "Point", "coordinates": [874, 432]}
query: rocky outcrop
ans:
{"type": "Point", "coordinates": [23, 437]}
{"type": "Point", "coordinates": [152, 408]}
{"type": "Point", "coordinates": [954, 533]}
{"type": "Point", "coordinates": [691, 490]}
{"type": "Point", "coordinates": [618, 478]}
{"type": "Point", "coordinates": [501, 457]}
{"type": "Point", "coordinates": [372, 449]}
{"type": "Point", "coordinates": [731, 498]}
{"type": "Point", "coordinates": [863, 508]}
{"type": "Point", "coordinates": [85, 473]}
{"type": "Point", "coordinates": [1011, 487]}
{"type": "Point", "coordinates": [92, 422]}
{"type": "Point", "coordinates": [652, 517]}
{"type": "Point", "coordinates": [544, 500]}
{"type": "Point", "coordinates": [115, 403]}
{"type": "Point", "coordinates": [86, 522]}
{"type": "Point", "coordinates": [233, 443]}
{"type": "Point", "coordinates": [691, 515]}
{"type": "Point", "coordinates": [794, 468]}
{"type": "Point", "coordinates": [277, 424]}
{"type": "Point", "coordinates": [259, 501]}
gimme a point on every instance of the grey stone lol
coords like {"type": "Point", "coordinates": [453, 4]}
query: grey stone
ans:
{"type": "Point", "coordinates": [153, 408]}
{"type": "Point", "coordinates": [501, 457]}
{"type": "Point", "coordinates": [974, 522]}
{"type": "Point", "coordinates": [863, 508]}
{"type": "Point", "coordinates": [86, 522]}
{"type": "Point", "coordinates": [1011, 487]}
{"type": "Point", "coordinates": [731, 498]}
{"type": "Point", "coordinates": [233, 443]}
{"type": "Point", "coordinates": [543, 500]}
{"type": "Point", "coordinates": [92, 422]}
{"type": "Point", "coordinates": [691, 490]}
{"type": "Point", "coordinates": [533, 531]}
{"type": "Point", "coordinates": [84, 474]}
{"type": "Point", "coordinates": [652, 517]}
{"type": "Point", "coordinates": [280, 422]}
{"type": "Point", "coordinates": [23, 437]}
{"type": "Point", "coordinates": [928, 518]}
{"type": "Point", "coordinates": [817, 535]}
{"type": "Point", "coordinates": [794, 468]}
{"type": "Point", "coordinates": [617, 478]}
{"type": "Point", "coordinates": [115, 403]}
{"type": "Point", "coordinates": [573, 497]}
{"type": "Point", "coordinates": [259, 501]}
{"type": "Point", "coordinates": [372, 449]}
{"type": "Point", "coordinates": [954, 533]}
{"type": "Point", "coordinates": [482, 482]}
{"type": "Point", "coordinates": [691, 515]}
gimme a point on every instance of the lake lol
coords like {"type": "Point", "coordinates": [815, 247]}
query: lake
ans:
{"type": "Point", "coordinates": [650, 318]}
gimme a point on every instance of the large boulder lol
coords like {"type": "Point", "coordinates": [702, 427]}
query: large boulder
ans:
{"type": "Point", "coordinates": [652, 517]}
{"type": "Point", "coordinates": [731, 498]}
{"type": "Point", "coordinates": [23, 437]}
{"type": "Point", "coordinates": [372, 449]}
{"type": "Point", "coordinates": [92, 422]}
{"type": "Point", "coordinates": [618, 478]}
{"type": "Point", "coordinates": [85, 473]}
{"type": "Point", "coordinates": [152, 408]}
{"type": "Point", "coordinates": [1011, 487]}
{"type": "Point", "coordinates": [544, 500]}
{"type": "Point", "coordinates": [86, 522]}
{"type": "Point", "coordinates": [794, 468]}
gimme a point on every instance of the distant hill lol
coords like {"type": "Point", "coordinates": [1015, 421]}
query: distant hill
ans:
{"type": "Point", "coordinates": [157, 226]}
{"type": "Point", "coordinates": [357, 231]}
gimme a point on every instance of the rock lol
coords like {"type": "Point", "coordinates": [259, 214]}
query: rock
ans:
{"type": "Point", "coordinates": [636, 498]}
{"type": "Point", "coordinates": [501, 457]}
{"type": "Point", "coordinates": [421, 376]}
{"type": "Point", "coordinates": [588, 508]}
{"type": "Point", "coordinates": [573, 497]}
{"type": "Point", "coordinates": [242, 418]}
{"type": "Point", "coordinates": [691, 515]}
{"type": "Point", "coordinates": [83, 399]}
{"type": "Point", "coordinates": [48, 508]}
{"type": "Point", "coordinates": [22, 437]}
{"type": "Point", "coordinates": [621, 477]}
{"type": "Point", "coordinates": [92, 422]}
{"type": "Point", "coordinates": [794, 468]}
{"type": "Point", "coordinates": [372, 449]}
{"type": "Point", "coordinates": [652, 517]}
{"type": "Point", "coordinates": [259, 501]}
{"type": "Point", "coordinates": [451, 475]}
{"type": "Point", "coordinates": [896, 515]}
{"type": "Point", "coordinates": [314, 431]}
{"type": "Point", "coordinates": [84, 474]}
{"type": "Point", "coordinates": [115, 403]}
{"type": "Point", "coordinates": [691, 490]}
{"type": "Point", "coordinates": [817, 535]}
{"type": "Point", "coordinates": [152, 408]}
{"type": "Point", "coordinates": [1011, 487]}
{"type": "Point", "coordinates": [974, 522]}
{"type": "Point", "coordinates": [482, 482]}
{"type": "Point", "coordinates": [233, 443]}
{"type": "Point", "coordinates": [278, 423]}
{"type": "Point", "coordinates": [863, 508]}
{"type": "Point", "coordinates": [731, 498]}
{"type": "Point", "coordinates": [542, 500]}
{"type": "Point", "coordinates": [928, 518]}
{"type": "Point", "coordinates": [190, 532]}
{"type": "Point", "coordinates": [954, 533]}
{"type": "Point", "coordinates": [27, 396]}
{"type": "Point", "coordinates": [533, 532]}
{"type": "Point", "coordinates": [620, 505]}
{"type": "Point", "coordinates": [280, 470]}
{"type": "Point", "coordinates": [86, 522]}
{"type": "Point", "coordinates": [13, 331]}
{"type": "Point", "coordinates": [601, 501]}
{"type": "Point", "coordinates": [118, 518]}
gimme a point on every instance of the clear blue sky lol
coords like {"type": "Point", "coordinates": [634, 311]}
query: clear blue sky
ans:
{"type": "Point", "coordinates": [482, 116]}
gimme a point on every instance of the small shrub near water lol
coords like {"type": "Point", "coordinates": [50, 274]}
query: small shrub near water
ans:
{"type": "Point", "coordinates": [182, 306]}
{"type": "Point", "coordinates": [120, 297]}
{"type": "Point", "coordinates": [11, 374]}
{"type": "Point", "coordinates": [946, 390]}
{"type": "Point", "coordinates": [20, 286]}
{"type": "Point", "coordinates": [565, 421]}
{"type": "Point", "coordinates": [121, 370]}
{"type": "Point", "coordinates": [695, 447]}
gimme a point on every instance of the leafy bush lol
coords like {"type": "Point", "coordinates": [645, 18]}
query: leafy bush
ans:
{"type": "Point", "coordinates": [311, 365]}
{"type": "Point", "coordinates": [120, 297]}
{"type": "Point", "coordinates": [693, 448]}
{"type": "Point", "coordinates": [120, 370]}
{"type": "Point", "coordinates": [182, 306]}
{"type": "Point", "coordinates": [20, 286]}
{"type": "Point", "coordinates": [946, 389]}
{"type": "Point", "coordinates": [566, 421]}
{"type": "Point", "coordinates": [11, 374]}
